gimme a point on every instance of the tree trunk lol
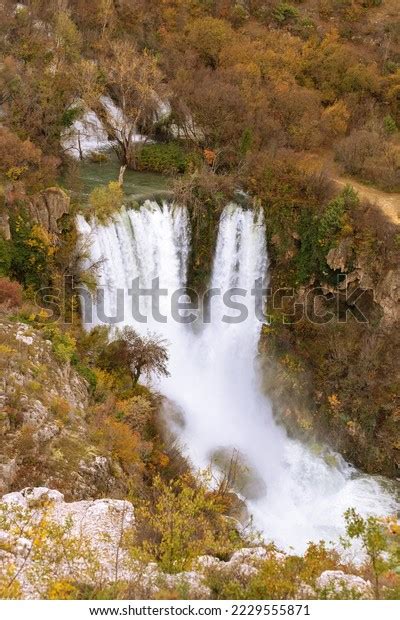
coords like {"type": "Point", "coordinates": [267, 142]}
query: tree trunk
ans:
{"type": "Point", "coordinates": [121, 175]}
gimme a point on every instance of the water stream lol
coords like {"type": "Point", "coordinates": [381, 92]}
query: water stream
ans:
{"type": "Point", "coordinates": [293, 495]}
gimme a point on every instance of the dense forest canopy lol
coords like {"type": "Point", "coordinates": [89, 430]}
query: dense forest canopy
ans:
{"type": "Point", "coordinates": [271, 77]}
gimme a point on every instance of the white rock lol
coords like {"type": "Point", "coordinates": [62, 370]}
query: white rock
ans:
{"type": "Point", "coordinates": [28, 340]}
{"type": "Point", "coordinates": [22, 545]}
{"type": "Point", "coordinates": [191, 582]}
{"type": "Point", "coordinates": [305, 591]}
{"type": "Point", "coordinates": [15, 498]}
{"type": "Point", "coordinates": [337, 581]}
{"type": "Point", "coordinates": [246, 571]}
{"type": "Point", "coordinates": [34, 495]}
{"type": "Point", "coordinates": [30, 496]}
{"type": "Point", "coordinates": [249, 553]}
{"type": "Point", "coordinates": [204, 562]}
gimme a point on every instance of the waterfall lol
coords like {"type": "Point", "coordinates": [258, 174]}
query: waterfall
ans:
{"type": "Point", "coordinates": [293, 495]}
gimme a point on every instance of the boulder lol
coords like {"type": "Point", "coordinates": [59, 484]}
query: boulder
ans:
{"type": "Point", "coordinates": [336, 582]}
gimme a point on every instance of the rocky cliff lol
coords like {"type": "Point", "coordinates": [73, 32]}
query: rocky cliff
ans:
{"type": "Point", "coordinates": [45, 208]}
{"type": "Point", "coordinates": [44, 437]}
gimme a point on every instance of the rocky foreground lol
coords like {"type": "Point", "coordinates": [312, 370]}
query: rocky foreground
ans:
{"type": "Point", "coordinates": [46, 543]}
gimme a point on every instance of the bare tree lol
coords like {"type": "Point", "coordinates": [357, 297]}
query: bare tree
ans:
{"type": "Point", "coordinates": [143, 355]}
{"type": "Point", "coordinates": [135, 83]}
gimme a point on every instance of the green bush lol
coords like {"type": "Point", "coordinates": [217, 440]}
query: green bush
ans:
{"type": "Point", "coordinates": [85, 372]}
{"type": "Point", "coordinates": [319, 233]}
{"type": "Point", "coordinates": [106, 200]}
{"type": "Point", "coordinates": [285, 12]}
{"type": "Point", "coordinates": [29, 256]}
{"type": "Point", "coordinates": [390, 124]}
{"type": "Point", "coordinates": [167, 158]}
{"type": "Point", "coordinates": [5, 257]}
{"type": "Point", "coordinates": [64, 345]}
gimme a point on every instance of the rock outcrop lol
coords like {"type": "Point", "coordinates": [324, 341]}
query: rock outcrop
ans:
{"type": "Point", "coordinates": [44, 436]}
{"type": "Point", "coordinates": [336, 582]}
{"type": "Point", "coordinates": [48, 207]}
{"type": "Point", "coordinates": [45, 208]}
{"type": "Point", "coordinates": [385, 288]}
{"type": "Point", "coordinates": [45, 540]}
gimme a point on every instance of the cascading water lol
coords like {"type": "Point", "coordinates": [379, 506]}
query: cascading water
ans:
{"type": "Point", "coordinates": [293, 495]}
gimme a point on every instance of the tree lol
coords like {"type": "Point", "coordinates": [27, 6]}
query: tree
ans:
{"type": "Point", "coordinates": [40, 76]}
{"type": "Point", "coordinates": [208, 36]}
{"type": "Point", "coordinates": [23, 164]}
{"type": "Point", "coordinates": [135, 83]}
{"type": "Point", "coordinates": [143, 355]}
{"type": "Point", "coordinates": [106, 201]}
{"type": "Point", "coordinates": [182, 521]}
{"type": "Point", "coordinates": [375, 541]}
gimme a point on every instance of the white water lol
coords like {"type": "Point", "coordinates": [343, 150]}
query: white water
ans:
{"type": "Point", "coordinates": [295, 496]}
{"type": "Point", "coordinates": [88, 134]}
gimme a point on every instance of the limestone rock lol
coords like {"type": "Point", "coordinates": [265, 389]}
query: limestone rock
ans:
{"type": "Point", "coordinates": [31, 497]}
{"type": "Point", "coordinates": [338, 258]}
{"type": "Point", "coordinates": [188, 582]}
{"type": "Point", "coordinates": [43, 406]}
{"type": "Point", "coordinates": [249, 554]}
{"type": "Point", "coordinates": [336, 581]}
{"type": "Point", "coordinates": [48, 207]}
{"type": "Point", "coordinates": [387, 295]}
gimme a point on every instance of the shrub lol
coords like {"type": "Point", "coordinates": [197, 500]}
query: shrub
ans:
{"type": "Point", "coordinates": [98, 157]}
{"type": "Point", "coordinates": [64, 344]}
{"type": "Point", "coordinates": [354, 150]}
{"type": "Point", "coordinates": [334, 120]}
{"type": "Point", "coordinates": [319, 233]}
{"type": "Point", "coordinates": [278, 577]}
{"type": "Point", "coordinates": [120, 441]}
{"type": "Point", "coordinates": [23, 161]}
{"type": "Point", "coordinates": [380, 543]}
{"type": "Point", "coordinates": [208, 36]}
{"type": "Point", "coordinates": [285, 12]}
{"type": "Point", "coordinates": [10, 293]}
{"type": "Point", "coordinates": [88, 374]}
{"type": "Point", "coordinates": [106, 201]}
{"type": "Point", "coordinates": [142, 355]}
{"type": "Point", "coordinates": [136, 411]}
{"type": "Point", "coordinates": [5, 256]}
{"type": "Point", "coordinates": [32, 251]}
{"type": "Point", "coordinates": [61, 409]}
{"type": "Point", "coordinates": [182, 521]}
{"type": "Point", "coordinates": [390, 124]}
{"type": "Point", "coordinates": [168, 158]}
{"type": "Point", "coordinates": [368, 155]}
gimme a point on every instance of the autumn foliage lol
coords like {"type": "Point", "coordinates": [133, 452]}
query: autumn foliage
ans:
{"type": "Point", "coordinates": [10, 293]}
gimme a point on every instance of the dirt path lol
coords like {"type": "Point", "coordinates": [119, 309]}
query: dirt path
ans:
{"type": "Point", "coordinates": [389, 203]}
